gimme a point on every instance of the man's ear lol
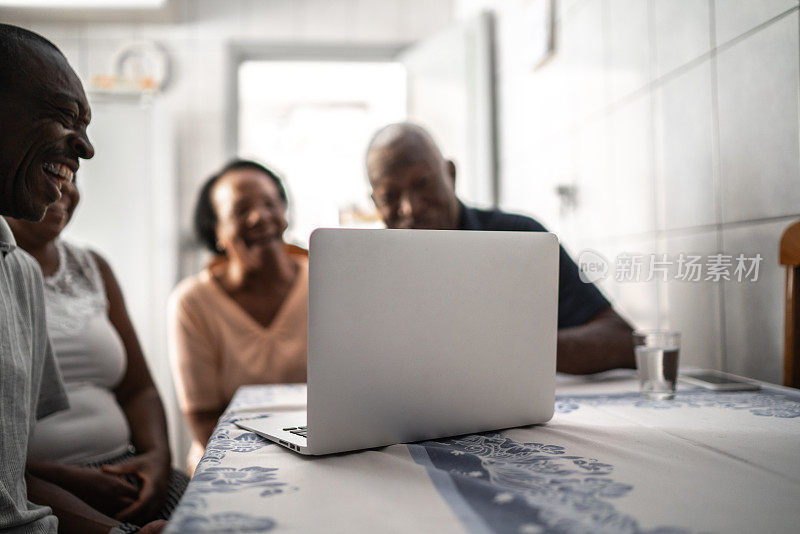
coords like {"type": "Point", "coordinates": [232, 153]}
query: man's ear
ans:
{"type": "Point", "coordinates": [451, 170]}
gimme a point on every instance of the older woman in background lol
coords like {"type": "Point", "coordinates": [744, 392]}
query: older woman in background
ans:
{"type": "Point", "coordinates": [110, 447]}
{"type": "Point", "coordinates": [243, 319]}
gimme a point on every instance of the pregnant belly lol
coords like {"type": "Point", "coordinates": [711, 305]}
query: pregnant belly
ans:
{"type": "Point", "coordinates": [93, 429]}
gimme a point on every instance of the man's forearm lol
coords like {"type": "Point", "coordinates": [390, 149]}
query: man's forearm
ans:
{"type": "Point", "coordinates": [74, 515]}
{"type": "Point", "coordinates": [603, 343]}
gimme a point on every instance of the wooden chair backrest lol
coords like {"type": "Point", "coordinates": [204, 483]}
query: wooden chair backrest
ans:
{"type": "Point", "coordinates": [790, 257]}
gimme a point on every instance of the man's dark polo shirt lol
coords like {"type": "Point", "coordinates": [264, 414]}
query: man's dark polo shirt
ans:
{"type": "Point", "coordinates": [577, 301]}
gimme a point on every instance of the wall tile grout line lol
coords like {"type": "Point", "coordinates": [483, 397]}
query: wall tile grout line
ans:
{"type": "Point", "coordinates": [760, 220]}
{"type": "Point", "coordinates": [752, 31]}
{"type": "Point", "coordinates": [694, 230]}
{"type": "Point", "coordinates": [661, 298]}
{"type": "Point", "coordinates": [716, 173]}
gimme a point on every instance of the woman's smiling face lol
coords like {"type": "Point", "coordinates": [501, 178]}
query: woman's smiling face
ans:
{"type": "Point", "coordinates": [250, 212]}
{"type": "Point", "coordinates": [55, 219]}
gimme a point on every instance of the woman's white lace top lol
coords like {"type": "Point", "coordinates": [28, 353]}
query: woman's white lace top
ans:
{"type": "Point", "coordinates": [92, 361]}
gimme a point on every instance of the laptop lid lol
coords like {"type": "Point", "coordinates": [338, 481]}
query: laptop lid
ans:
{"type": "Point", "coordinates": [417, 334]}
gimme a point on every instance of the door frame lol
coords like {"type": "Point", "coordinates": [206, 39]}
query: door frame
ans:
{"type": "Point", "coordinates": [241, 51]}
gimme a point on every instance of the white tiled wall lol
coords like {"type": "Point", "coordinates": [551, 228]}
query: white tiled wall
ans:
{"type": "Point", "coordinates": [628, 67]}
{"type": "Point", "coordinates": [735, 17]}
{"type": "Point", "coordinates": [758, 127]}
{"type": "Point", "coordinates": [682, 32]}
{"type": "Point", "coordinates": [683, 133]}
{"type": "Point", "coordinates": [678, 126]}
{"type": "Point", "coordinates": [694, 308]}
{"type": "Point", "coordinates": [753, 310]}
{"type": "Point", "coordinates": [632, 171]}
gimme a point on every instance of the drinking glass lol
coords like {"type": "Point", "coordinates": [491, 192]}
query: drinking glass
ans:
{"type": "Point", "coordinates": [657, 362]}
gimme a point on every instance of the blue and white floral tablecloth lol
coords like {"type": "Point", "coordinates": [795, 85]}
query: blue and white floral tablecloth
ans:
{"type": "Point", "coordinates": [609, 461]}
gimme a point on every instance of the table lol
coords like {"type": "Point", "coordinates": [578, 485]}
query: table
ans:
{"type": "Point", "coordinates": [609, 461]}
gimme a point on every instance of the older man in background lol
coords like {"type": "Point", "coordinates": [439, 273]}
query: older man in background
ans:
{"type": "Point", "coordinates": [414, 187]}
{"type": "Point", "coordinates": [43, 118]}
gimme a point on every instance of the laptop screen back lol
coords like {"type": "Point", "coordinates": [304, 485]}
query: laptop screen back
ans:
{"type": "Point", "coordinates": [417, 334]}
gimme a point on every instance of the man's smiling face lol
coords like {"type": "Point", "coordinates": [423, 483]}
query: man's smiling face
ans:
{"type": "Point", "coordinates": [43, 120]}
{"type": "Point", "coordinates": [413, 186]}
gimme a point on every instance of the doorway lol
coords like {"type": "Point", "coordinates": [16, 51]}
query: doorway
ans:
{"type": "Point", "coordinates": [311, 121]}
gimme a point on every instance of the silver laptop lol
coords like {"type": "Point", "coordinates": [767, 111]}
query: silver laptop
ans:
{"type": "Point", "coordinates": [423, 334]}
